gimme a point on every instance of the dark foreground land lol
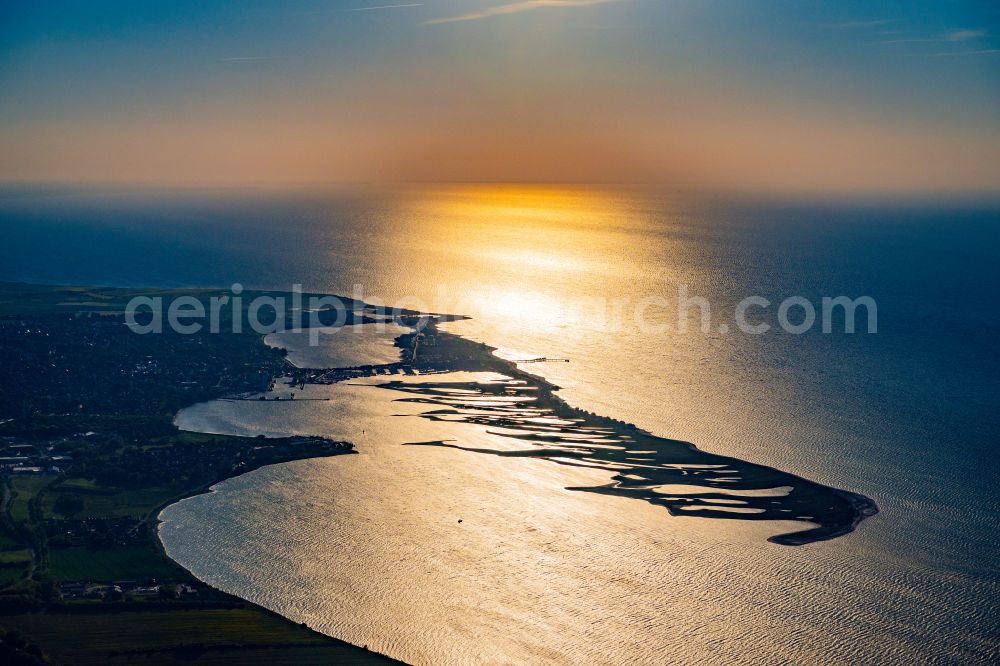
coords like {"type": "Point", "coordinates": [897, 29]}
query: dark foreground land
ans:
{"type": "Point", "coordinates": [88, 457]}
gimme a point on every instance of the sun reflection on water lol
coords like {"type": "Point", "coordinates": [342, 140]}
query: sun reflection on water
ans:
{"type": "Point", "coordinates": [526, 254]}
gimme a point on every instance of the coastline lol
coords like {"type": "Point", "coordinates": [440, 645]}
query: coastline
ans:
{"type": "Point", "coordinates": [154, 523]}
{"type": "Point", "coordinates": [451, 352]}
{"type": "Point", "coordinates": [480, 357]}
{"type": "Point", "coordinates": [852, 508]}
{"type": "Point", "coordinates": [130, 459]}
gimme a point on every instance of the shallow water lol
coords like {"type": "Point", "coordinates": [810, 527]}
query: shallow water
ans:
{"type": "Point", "coordinates": [340, 347]}
{"type": "Point", "coordinates": [909, 417]}
{"type": "Point", "coordinates": [370, 548]}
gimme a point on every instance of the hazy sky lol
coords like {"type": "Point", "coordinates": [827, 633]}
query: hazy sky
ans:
{"type": "Point", "coordinates": [775, 95]}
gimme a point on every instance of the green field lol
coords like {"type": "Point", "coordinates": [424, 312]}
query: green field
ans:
{"type": "Point", "coordinates": [80, 485]}
{"type": "Point", "coordinates": [7, 542]}
{"type": "Point", "coordinates": [123, 562]}
{"type": "Point", "coordinates": [109, 503]}
{"type": "Point", "coordinates": [25, 487]}
{"type": "Point", "coordinates": [237, 636]}
{"type": "Point", "coordinates": [15, 556]}
{"type": "Point", "coordinates": [9, 574]}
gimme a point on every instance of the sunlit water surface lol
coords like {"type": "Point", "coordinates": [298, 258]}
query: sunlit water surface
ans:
{"type": "Point", "coordinates": [369, 547]}
{"type": "Point", "coordinates": [340, 347]}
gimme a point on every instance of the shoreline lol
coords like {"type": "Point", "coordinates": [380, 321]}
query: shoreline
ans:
{"type": "Point", "coordinates": [432, 351]}
{"type": "Point", "coordinates": [480, 357]}
{"type": "Point", "coordinates": [861, 506]}
{"type": "Point", "coordinates": [452, 352]}
{"type": "Point", "coordinates": [131, 413]}
{"type": "Point", "coordinates": [153, 523]}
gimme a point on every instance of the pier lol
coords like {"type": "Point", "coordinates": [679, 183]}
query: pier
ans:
{"type": "Point", "coordinates": [543, 359]}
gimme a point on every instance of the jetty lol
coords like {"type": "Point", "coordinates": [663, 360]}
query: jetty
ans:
{"type": "Point", "coordinates": [542, 359]}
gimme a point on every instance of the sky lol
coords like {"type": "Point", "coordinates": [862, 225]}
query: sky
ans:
{"type": "Point", "coordinates": [764, 95]}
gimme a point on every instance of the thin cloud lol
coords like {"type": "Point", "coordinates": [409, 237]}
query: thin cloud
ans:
{"type": "Point", "coordinates": [953, 36]}
{"type": "Point", "coordinates": [949, 54]}
{"type": "Point", "coordinates": [515, 8]}
{"type": "Point", "coordinates": [249, 58]}
{"type": "Point", "coordinates": [923, 40]}
{"type": "Point", "coordinates": [377, 7]}
{"type": "Point", "coordinates": [848, 25]}
{"type": "Point", "coordinates": [964, 35]}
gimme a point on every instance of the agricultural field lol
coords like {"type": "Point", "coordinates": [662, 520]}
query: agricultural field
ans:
{"type": "Point", "coordinates": [81, 499]}
{"type": "Point", "coordinates": [139, 562]}
{"type": "Point", "coordinates": [204, 636]}
{"type": "Point", "coordinates": [24, 489]}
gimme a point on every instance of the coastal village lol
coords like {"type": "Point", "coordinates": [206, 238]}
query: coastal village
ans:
{"type": "Point", "coordinates": [22, 458]}
{"type": "Point", "coordinates": [89, 456]}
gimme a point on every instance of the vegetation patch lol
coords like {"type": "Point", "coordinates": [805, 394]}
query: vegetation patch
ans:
{"type": "Point", "coordinates": [109, 564]}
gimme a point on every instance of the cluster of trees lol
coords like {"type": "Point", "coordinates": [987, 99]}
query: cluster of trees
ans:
{"type": "Point", "coordinates": [15, 650]}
